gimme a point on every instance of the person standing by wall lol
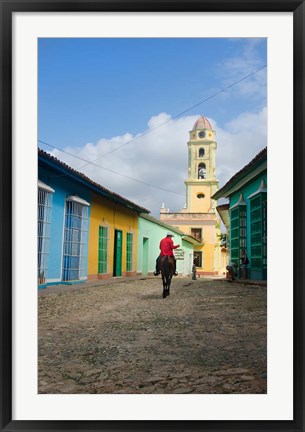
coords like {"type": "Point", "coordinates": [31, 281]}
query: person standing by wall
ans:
{"type": "Point", "coordinates": [194, 270]}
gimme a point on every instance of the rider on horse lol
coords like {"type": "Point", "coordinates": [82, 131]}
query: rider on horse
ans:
{"type": "Point", "coordinates": [166, 247]}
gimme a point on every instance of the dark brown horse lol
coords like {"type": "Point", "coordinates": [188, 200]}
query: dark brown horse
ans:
{"type": "Point", "coordinates": [167, 270]}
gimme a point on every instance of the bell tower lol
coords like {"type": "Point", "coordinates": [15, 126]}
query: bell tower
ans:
{"type": "Point", "coordinates": [201, 183]}
{"type": "Point", "coordinates": [199, 218]}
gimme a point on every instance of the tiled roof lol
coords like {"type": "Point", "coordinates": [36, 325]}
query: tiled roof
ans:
{"type": "Point", "coordinates": [258, 158]}
{"type": "Point", "coordinates": [54, 162]}
{"type": "Point", "coordinates": [202, 123]}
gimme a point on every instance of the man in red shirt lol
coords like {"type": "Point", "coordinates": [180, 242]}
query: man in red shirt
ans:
{"type": "Point", "coordinates": [167, 249]}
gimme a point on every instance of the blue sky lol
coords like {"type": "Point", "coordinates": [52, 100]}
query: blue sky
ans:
{"type": "Point", "coordinates": [96, 95]}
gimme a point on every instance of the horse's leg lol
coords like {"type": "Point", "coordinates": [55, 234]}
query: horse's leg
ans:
{"type": "Point", "coordinates": [164, 286]}
{"type": "Point", "coordinates": [169, 284]}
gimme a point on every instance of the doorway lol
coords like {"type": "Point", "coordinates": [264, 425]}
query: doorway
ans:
{"type": "Point", "coordinates": [117, 261]}
{"type": "Point", "coordinates": [145, 257]}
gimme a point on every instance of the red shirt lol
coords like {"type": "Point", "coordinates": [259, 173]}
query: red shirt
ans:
{"type": "Point", "coordinates": [167, 247]}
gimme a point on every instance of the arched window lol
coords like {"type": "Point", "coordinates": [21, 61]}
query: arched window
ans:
{"type": "Point", "coordinates": [202, 171]}
{"type": "Point", "coordinates": [201, 152]}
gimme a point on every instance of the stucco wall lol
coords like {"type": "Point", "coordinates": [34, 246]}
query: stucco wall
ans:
{"type": "Point", "coordinates": [246, 191]}
{"type": "Point", "coordinates": [150, 234]}
{"type": "Point", "coordinates": [116, 217]}
{"type": "Point", "coordinates": [63, 188]}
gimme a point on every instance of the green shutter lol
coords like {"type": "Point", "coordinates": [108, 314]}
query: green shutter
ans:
{"type": "Point", "coordinates": [102, 249]}
{"type": "Point", "coordinates": [238, 232]}
{"type": "Point", "coordinates": [129, 247]}
{"type": "Point", "coordinates": [258, 206]}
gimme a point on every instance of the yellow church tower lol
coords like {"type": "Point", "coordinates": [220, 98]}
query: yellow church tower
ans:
{"type": "Point", "coordinates": [199, 218]}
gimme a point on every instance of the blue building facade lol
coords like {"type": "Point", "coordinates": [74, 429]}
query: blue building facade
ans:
{"type": "Point", "coordinates": [64, 202]}
{"type": "Point", "coordinates": [63, 224]}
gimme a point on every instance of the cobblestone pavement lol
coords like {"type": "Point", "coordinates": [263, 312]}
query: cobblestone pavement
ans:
{"type": "Point", "coordinates": [121, 336]}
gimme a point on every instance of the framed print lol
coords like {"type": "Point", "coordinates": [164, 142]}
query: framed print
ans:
{"type": "Point", "coordinates": [182, 101]}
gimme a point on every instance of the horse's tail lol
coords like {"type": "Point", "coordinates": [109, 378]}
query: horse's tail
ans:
{"type": "Point", "coordinates": [167, 266]}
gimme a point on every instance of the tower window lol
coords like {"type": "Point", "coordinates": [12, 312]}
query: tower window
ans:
{"type": "Point", "coordinates": [201, 152]}
{"type": "Point", "coordinates": [200, 195]}
{"type": "Point", "coordinates": [202, 171]}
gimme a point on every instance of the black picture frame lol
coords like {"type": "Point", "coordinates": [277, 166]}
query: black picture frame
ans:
{"type": "Point", "coordinates": [7, 9]}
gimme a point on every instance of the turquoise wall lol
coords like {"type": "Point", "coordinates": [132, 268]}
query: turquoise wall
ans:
{"type": "Point", "coordinates": [247, 191]}
{"type": "Point", "coordinates": [150, 234]}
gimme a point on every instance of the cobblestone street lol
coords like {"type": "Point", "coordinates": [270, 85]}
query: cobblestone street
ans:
{"type": "Point", "coordinates": [121, 336]}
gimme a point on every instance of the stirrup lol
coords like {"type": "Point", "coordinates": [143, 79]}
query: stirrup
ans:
{"type": "Point", "coordinates": [175, 273]}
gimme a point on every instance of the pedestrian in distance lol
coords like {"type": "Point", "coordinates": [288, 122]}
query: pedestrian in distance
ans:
{"type": "Point", "coordinates": [244, 264]}
{"type": "Point", "coordinates": [232, 270]}
{"type": "Point", "coordinates": [166, 249]}
{"type": "Point", "coordinates": [194, 270]}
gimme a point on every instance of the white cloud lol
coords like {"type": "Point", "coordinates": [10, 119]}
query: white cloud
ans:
{"type": "Point", "coordinates": [248, 61]}
{"type": "Point", "coordinates": [159, 157]}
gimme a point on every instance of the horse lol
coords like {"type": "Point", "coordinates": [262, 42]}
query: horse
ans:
{"type": "Point", "coordinates": [167, 271]}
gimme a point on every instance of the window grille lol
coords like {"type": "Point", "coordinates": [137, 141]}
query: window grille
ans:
{"type": "Point", "coordinates": [44, 226]}
{"type": "Point", "coordinates": [129, 250]}
{"type": "Point", "coordinates": [259, 232]}
{"type": "Point", "coordinates": [75, 241]}
{"type": "Point", "coordinates": [238, 231]}
{"type": "Point", "coordinates": [103, 243]}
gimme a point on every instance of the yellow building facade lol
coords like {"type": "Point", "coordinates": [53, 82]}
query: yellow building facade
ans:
{"type": "Point", "coordinates": [113, 239]}
{"type": "Point", "coordinates": [199, 218]}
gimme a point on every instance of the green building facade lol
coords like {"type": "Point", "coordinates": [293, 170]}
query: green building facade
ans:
{"type": "Point", "coordinates": [151, 231]}
{"type": "Point", "coordinates": [247, 194]}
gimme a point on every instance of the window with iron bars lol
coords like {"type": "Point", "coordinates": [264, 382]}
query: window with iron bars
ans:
{"type": "Point", "coordinates": [75, 242]}
{"type": "Point", "coordinates": [44, 225]}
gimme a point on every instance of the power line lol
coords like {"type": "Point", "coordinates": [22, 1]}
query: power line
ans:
{"type": "Point", "coordinates": [178, 115]}
{"type": "Point", "coordinates": [150, 131]}
{"type": "Point", "coordinates": [107, 169]}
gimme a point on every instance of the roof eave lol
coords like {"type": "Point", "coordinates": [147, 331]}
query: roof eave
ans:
{"type": "Point", "coordinates": [227, 190]}
{"type": "Point", "coordinates": [99, 190]}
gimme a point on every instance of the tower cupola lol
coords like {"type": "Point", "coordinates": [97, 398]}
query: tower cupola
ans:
{"type": "Point", "coordinates": [201, 182]}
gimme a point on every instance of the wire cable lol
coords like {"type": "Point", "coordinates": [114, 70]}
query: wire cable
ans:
{"type": "Point", "coordinates": [180, 114]}
{"type": "Point", "coordinates": [150, 131]}
{"type": "Point", "coordinates": [107, 169]}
